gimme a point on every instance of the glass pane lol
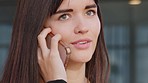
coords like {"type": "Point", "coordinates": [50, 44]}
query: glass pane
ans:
{"type": "Point", "coordinates": [119, 59]}
{"type": "Point", "coordinates": [117, 35]}
{"type": "Point", "coordinates": [142, 35]}
{"type": "Point", "coordinates": [141, 65]}
{"type": "Point", "coordinates": [5, 34]}
{"type": "Point", "coordinates": [3, 56]}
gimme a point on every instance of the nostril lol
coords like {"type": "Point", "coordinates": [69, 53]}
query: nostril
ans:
{"type": "Point", "coordinates": [82, 31]}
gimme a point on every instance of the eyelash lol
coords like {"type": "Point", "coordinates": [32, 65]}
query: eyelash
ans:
{"type": "Point", "coordinates": [61, 19]}
{"type": "Point", "coordinates": [93, 11]}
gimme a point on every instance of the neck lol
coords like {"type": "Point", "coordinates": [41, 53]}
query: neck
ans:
{"type": "Point", "coordinates": [76, 72]}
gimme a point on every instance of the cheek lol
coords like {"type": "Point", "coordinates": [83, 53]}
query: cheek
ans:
{"type": "Point", "coordinates": [95, 27]}
{"type": "Point", "coordinates": [61, 28]}
{"type": "Point", "coordinates": [66, 30]}
{"type": "Point", "coordinates": [98, 28]}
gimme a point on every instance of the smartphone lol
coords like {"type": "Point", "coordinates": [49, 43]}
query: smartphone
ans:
{"type": "Point", "coordinates": [67, 50]}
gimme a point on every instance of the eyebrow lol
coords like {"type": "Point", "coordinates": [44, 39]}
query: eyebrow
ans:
{"type": "Point", "coordinates": [71, 10]}
{"type": "Point", "coordinates": [91, 6]}
{"type": "Point", "coordinates": [64, 10]}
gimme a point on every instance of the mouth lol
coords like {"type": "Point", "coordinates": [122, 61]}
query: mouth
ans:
{"type": "Point", "coordinates": [82, 43]}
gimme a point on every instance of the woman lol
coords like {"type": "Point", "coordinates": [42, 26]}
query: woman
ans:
{"type": "Point", "coordinates": [42, 29]}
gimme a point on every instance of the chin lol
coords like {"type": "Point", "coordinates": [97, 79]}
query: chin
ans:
{"type": "Point", "coordinates": [81, 57]}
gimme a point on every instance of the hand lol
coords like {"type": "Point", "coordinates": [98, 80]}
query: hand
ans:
{"type": "Point", "coordinates": [51, 65]}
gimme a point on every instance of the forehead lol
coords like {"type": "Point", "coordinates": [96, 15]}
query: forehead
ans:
{"type": "Point", "coordinates": [75, 4]}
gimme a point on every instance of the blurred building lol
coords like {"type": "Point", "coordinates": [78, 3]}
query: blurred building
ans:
{"type": "Point", "coordinates": [126, 35]}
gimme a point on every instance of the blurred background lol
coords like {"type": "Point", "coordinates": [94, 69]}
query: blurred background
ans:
{"type": "Point", "coordinates": [126, 35]}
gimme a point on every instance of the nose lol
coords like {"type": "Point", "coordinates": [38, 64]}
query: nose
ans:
{"type": "Point", "coordinates": [81, 26]}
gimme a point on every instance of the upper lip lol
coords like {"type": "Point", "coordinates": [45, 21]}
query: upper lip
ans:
{"type": "Point", "coordinates": [81, 40]}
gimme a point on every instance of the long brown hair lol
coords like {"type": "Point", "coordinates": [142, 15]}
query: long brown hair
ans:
{"type": "Point", "coordinates": [22, 64]}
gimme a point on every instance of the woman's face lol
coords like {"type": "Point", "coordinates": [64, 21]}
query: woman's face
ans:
{"type": "Point", "coordinates": [78, 24]}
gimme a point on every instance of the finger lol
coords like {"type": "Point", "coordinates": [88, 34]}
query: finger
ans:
{"type": "Point", "coordinates": [42, 39]}
{"type": "Point", "coordinates": [54, 43]}
{"type": "Point", "coordinates": [39, 55]}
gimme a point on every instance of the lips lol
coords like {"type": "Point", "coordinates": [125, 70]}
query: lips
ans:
{"type": "Point", "coordinates": [82, 43]}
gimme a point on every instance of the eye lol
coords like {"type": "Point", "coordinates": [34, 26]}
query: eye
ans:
{"type": "Point", "coordinates": [64, 17]}
{"type": "Point", "coordinates": [90, 13]}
